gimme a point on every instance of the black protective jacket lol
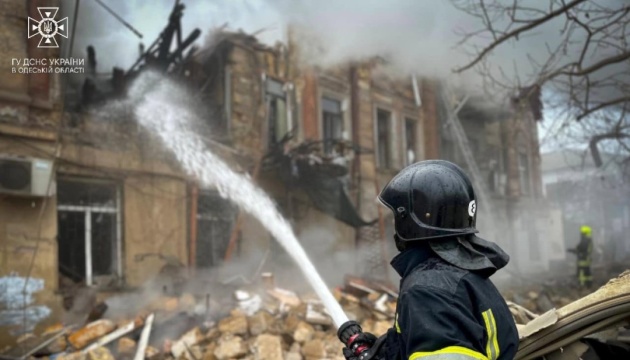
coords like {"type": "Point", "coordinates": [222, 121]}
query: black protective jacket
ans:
{"type": "Point", "coordinates": [584, 250]}
{"type": "Point", "coordinates": [448, 313]}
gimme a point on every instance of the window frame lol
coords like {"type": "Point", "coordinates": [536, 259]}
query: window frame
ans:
{"type": "Point", "coordinates": [407, 118]}
{"type": "Point", "coordinates": [390, 139]}
{"type": "Point", "coordinates": [268, 97]}
{"type": "Point", "coordinates": [211, 216]}
{"type": "Point", "coordinates": [89, 210]}
{"type": "Point", "coordinates": [346, 129]}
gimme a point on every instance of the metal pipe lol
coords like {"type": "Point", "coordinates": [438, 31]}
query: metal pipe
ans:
{"type": "Point", "coordinates": [88, 247]}
{"type": "Point", "coordinates": [192, 254]}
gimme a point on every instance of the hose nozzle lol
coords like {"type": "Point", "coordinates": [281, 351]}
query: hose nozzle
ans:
{"type": "Point", "coordinates": [348, 333]}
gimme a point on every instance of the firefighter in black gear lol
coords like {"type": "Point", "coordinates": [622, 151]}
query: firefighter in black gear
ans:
{"type": "Point", "coordinates": [447, 308]}
{"type": "Point", "coordinates": [584, 252]}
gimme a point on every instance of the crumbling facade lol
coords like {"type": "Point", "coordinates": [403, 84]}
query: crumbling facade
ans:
{"type": "Point", "coordinates": [109, 199]}
{"type": "Point", "coordinates": [504, 142]}
{"type": "Point", "coordinates": [321, 142]}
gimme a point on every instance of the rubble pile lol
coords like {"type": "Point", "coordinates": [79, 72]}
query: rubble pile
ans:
{"type": "Point", "coordinates": [260, 322]}
{"type": "Point", "coordinates": [265, 323]}
{"type": "Point", "coordinates": [540, 299]}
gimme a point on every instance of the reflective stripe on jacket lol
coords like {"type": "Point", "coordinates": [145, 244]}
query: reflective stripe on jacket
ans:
{"type": "Point", "coordinates": [448, 313]}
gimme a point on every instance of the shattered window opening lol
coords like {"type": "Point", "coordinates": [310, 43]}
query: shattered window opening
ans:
{"type": "Point", "coordinates": [332, 118]}
{"type": "Point", "coordinates": [383, 138]}
{"type": "Point", "coordinates": [89, 232]}
{"type": "Point", "coordinates": [410, 141]}
{"type": "Point", "coordinates": [277, 111]}
{"type": "Point", "coordinates": [215, 220]}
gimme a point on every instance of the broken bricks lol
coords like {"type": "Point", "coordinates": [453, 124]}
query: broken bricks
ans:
{"type": "Point", "coordinates": [229, 347]}
{"type": "Point", "coordinates": [100, 353]}
{"type": "Point", "coordinates": [260, 323]}
{"type": "Point", "coordinates": [234, 324]}
{"type": "Point", "coordinates": [126, 346]}
{"type": "Point", "coordinates": [285, 327]}
{"type": "Point", "coordinates": [84, 336]}
{"type": "Point", "coordinates": [314, 349]}
{"type": "Point", "coordinates": [268, 347]}
{"type": "Point", "coordinates": [303, 332]}
{"type": "Point", "coordinates": [181, 346]}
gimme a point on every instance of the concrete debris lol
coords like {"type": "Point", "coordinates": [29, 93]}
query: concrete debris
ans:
{"type": "Point", "coordinates": [314, 349]}
{"type": "Point", "coordinates": [126, 346]}
{"type": "Point", "coordinates": [189, 339]}
{"type": "Point", "coordinates": [83, 337]}
{"type": "Point", "coordinates": [526, 304]}
{"type": "Point", "coordinates": [100, 353]}
{"type": "Point", "coordinates": [72, 356]}
{"type": "Point", "coordinates": [236, 325]}
{"type": "Point", "coordinates": [284, 326]}
{"type": "Point", "coordinates": [316, 315]}
{"type": "Point", "coordinates": [268, 347]}
{"type": "Point", "coordinates": [247, 302]}
{"type": "Point", "coordinates": [121, 331]}
{"type": "Point", "coordinates": [303, 332]}
{"type": "Point", "coordinates": [229, 347]}
{"type": "Point", "coordinates": [543, 321]}
{"type": "Point", "coordinates": [260, 323]}
{"type": "Point", "coordinates": [151, 353]}
{"type": "Point", "coordinates": [263, 322]}
{"type": "Point", "coordinates": [285, 297]}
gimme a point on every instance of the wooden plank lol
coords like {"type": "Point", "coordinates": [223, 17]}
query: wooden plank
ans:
{"type": "Point", "coordinates": [111, 337]}
{"type": "Point", "coordinates": [144, 338]}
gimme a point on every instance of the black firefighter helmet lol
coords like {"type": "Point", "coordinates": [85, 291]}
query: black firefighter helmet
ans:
{"type": "Point", "coordinates": [431, 199]}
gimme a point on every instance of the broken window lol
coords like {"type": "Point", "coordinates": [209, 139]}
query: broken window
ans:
{"type": "Point", "coordinates": [383, 138]}
{"type": "Point", "coordinates": [332, 118]}
{"type": "Point", "coordinates": [410, 141]}
{"type": "Point", "coordinates": [276, 112]}
{"type": "Point", "coordinates": [523, 171]}
{"type": "Point", "coordinates": [215, 220]}
{"type": "Point", "coordinates": [89, 232]}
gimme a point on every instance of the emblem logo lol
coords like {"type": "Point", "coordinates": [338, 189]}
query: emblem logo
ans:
{"type": "Point", "coordinates": [48, 28]}
{"type": "Point", "coordinates": [472, 208]}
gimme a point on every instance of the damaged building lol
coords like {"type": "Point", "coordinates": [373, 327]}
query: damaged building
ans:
{"type": "Point", "coordinates": [91, 201]}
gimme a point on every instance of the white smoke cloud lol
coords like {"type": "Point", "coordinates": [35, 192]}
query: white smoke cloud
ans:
{"type": "Point", "coordinates": [415, 36]}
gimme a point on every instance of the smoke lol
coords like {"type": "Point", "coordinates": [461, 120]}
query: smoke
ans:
{"type": "Point", "coordinates": [419, 37]}
{"type": "Point", "coordinates": [116, 45]}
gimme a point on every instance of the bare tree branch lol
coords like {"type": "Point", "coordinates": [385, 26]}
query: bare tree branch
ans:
{"type": "Point", "coordinates": [516, 32]}
{"type": "Point", "coordinates": [603, 105]}
{"type": "Point", "coordinates": [599, 65]}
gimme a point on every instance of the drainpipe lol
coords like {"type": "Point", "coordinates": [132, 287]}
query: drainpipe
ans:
{"type": "Point", "coordinates": [354, 114]}
{"type": "Point", "coordinates": [354, 117]}
{"type": "Point", "coordinates": [192, 246]}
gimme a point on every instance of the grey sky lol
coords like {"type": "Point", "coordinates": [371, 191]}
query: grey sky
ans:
{"type": "Point", "coordinates": [416, 35]}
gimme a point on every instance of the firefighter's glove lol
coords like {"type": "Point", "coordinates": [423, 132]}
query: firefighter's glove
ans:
{"type": "Point", "coordinates": [366, 339]}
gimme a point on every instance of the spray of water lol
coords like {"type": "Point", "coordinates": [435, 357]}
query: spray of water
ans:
{"type": "Point", "coordinates": [157, 108]}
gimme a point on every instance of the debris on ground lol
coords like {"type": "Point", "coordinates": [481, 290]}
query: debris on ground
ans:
{"type": "Point", "coordinates": [260, 322]}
